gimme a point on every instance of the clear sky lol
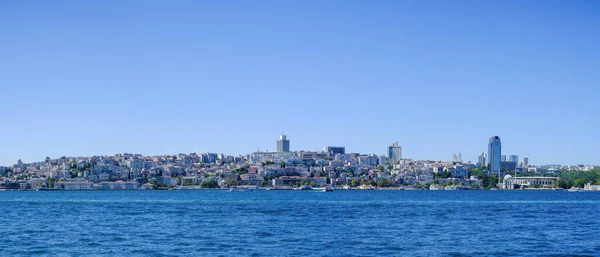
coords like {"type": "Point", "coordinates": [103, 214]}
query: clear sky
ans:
{"type": "Point", "coordinates": [82, 78]}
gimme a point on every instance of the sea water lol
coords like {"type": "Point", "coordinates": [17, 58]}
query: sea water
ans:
{"type": "Point", "coordinates": [299, 223]}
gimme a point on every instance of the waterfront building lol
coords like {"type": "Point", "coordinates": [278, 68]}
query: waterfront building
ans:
{"type": "Point", "coordinates": [395, 152]}
{"type": "Point", "coordinates": [283, 144]}
{"type": "Point", "coordinates": [511, 182]}
{"type": "Point", "coordinates": [590, 187]}
{"type": "Point", "coordinates": [73, 185]}
{"type": "Point", "coordinates": [333, 150]}
{"type": "Point", "coordinates": [494, 154]}
{"type": "Point", "coordinates": [118, 185]}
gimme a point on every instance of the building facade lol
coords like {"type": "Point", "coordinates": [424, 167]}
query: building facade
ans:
{"type": "Point", "coordinates": [395, 152]}
{"type": "Point", "coordinates": [495, 154]}
{"type": "Point", "coordinates": [511, 182]}
{"type": "Point", "coordinates": [481, 160]}
{"type": "Point", "coordinates": [333, 150]}
{"type": "Point", "coordinates": [283, 144]}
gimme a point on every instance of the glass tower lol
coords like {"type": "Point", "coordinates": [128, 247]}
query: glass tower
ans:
{"type": "Point", "coordinates": [395, 152]}
{"type": "Point", "coordinates": [283, 145]}
{"type": "Point", "coordinates": [495, 154]}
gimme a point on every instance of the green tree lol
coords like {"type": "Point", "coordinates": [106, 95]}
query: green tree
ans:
{"type": "Point", "coordinates": [561, 183]}
{"type": "Point", "coordinates": [51, 182]}
{"type": "Point", "coordinates": [384, 183]}
{"type": "Point", "coordinates": [580, 182]}
{"type": "Point", "coordinates": [354, 183]}
{"type": "Point", "coordinates": [231, 182]}
{"type": "Point", "coordinates": [209, 183]}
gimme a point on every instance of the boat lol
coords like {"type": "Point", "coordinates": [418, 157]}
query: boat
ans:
{"type": "Point", "coordinates": [575, 189]}
{"type": "Point", "coordinates": [346, 187]}
{"type": "Point", "coordinates": [435, 187]}
{"type": "Point", "coordinates": [306, 187]}
{"type": "Point", "coordinates": [450, 188]}
{"type": "Point", "coordinates": [239, 189]}
{"type": "Point", "coordinates": [328, 188]}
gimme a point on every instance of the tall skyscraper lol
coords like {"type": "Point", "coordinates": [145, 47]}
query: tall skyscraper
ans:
{"type": "Point", "coordinates": [481, 160]}
{"type": "Point", "coordinates": [283, 145]}
{"type": "Point", "coordinates": [513, 158]}
{"type": "Point", "coordinates": [494, 154]}
{"type": "Point", "coordinates": [395, 152]}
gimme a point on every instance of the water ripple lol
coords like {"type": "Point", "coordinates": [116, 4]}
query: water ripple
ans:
{"type": "Point", "coordinates": [287, 223]}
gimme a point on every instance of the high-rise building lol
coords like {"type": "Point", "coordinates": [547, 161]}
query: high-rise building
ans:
{"type": "Point", "coordinates": [525, 161]}
{"type": "Point", "coordinates": [333, 150]}
{"type": "Point", "coordinates": [456, 157]}
{"type": "Point", "coordinates": [503, 158]}
{"type": "Point", "coordinates": [382, 160]}
{"type": "Point", "coordinates": [494, 154]}
{"type": "Point", "coordinates": [513, 158]}
{"type": "Point", "coordinates": [283, 145]}
{"type": "Point", "coordinates": [395, 152]}
{"type": "Point", "coordinates": [481, 160]}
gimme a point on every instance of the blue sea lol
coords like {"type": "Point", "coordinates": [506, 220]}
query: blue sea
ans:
{"type": "Point", "coordinates": [299, 223]}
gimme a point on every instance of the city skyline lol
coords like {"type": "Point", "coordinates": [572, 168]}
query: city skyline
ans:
{"type": "Point", "coordinates": [395, 149]}
{"type": "Point", "coordinates": [82, 78]}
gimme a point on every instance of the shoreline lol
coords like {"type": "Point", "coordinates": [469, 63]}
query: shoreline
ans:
{"type": "Point", "coordinates": [295, 189]}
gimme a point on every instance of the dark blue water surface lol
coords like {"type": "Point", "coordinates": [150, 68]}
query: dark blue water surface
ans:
{"type": "Point", "coordinates": [300, 223]}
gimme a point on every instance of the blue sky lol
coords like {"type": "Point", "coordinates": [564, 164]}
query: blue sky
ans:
{"type": "Point", "coordinates": [81, 78]}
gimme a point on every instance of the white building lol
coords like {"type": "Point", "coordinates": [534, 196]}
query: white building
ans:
{"type": "Point", "coordinates": [511, 182]}
{"type": "Point", "coordinates": [73, 185]}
